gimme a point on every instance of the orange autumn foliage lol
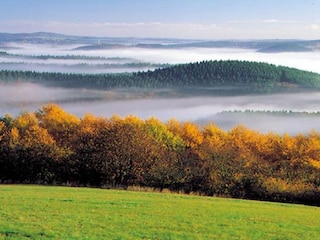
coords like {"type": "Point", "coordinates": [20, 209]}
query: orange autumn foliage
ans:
{"type": "Point", "coordinates": [52, 145]}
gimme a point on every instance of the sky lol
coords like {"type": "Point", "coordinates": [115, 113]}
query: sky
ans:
{"type": "Point", "coordinates": [185, 19]}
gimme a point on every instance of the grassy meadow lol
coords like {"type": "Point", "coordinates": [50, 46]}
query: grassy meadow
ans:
{"type": "Point", "coordinates": [44, 212]}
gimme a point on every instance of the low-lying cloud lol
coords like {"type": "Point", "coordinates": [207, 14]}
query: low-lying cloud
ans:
{"type": "Point", "coordinates": [309, 61]}
{"type": "Point", "coordinates": [15, 98]}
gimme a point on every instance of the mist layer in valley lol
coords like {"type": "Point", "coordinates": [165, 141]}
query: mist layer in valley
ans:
{"type": "Point", "coordinates": [165, 104]}
{"type": "Point", "coordinates": [18, 56]}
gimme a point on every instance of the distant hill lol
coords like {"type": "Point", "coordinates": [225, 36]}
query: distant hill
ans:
{"type": "Point", "coordinates": [102, 46]}
{"type": "Point", "coordinates": [266, 46]}
{"type": "Point", "coordinates": [220, 76]}
{"type": "Point", "coordinates": [98, 43]}
{"type": "Point", "coordinates": [286, 47]}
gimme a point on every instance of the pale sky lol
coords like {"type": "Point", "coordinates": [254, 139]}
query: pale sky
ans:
{"type": "Point", "coordinates": [195, 19]}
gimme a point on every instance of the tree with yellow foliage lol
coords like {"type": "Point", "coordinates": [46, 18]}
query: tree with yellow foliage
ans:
{"type": "Point", "coordinates": [32, 150]}
{"type": "Point", "coordinates": [60, 124]}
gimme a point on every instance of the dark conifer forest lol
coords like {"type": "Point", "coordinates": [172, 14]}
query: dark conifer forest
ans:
{"type": "Point", "coordinates": [245, 76]}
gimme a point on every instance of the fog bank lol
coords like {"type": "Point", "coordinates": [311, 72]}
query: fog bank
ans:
{"type": "Point", "coordinates": [15, 98]}
{"type": "Point", "coordinates": [309, 61]}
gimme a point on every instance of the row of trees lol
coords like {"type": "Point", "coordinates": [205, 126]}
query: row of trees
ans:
{"type": "Point", "coordinates": [54, 147]}
{"type": "Point", "coordinates": [63, 57]}
{"type": "Point", "coordinates": [248, 76]}
{"type": "Point", "coordinates": [286, 113]}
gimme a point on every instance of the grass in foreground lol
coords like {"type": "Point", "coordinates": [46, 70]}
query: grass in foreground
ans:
{"type": "Point", "coordinates": [39, 212]}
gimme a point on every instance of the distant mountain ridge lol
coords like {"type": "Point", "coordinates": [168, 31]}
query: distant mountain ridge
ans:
{"type": "Point", "coordinates": [98, 43]}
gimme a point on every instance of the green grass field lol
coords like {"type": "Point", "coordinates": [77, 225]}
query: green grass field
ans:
{"type": "Point", "coordinates": [39, 212]}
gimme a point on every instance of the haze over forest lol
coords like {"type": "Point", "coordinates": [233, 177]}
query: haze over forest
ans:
{"type": "Point", "coordinates": [46, 52]}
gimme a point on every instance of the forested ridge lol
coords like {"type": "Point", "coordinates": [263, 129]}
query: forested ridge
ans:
{"type": "Point", "coordinates": [51, 146]}
{"type": "Point", "coordinates": [244, 75]}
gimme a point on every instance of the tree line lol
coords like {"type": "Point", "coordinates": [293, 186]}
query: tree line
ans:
{"type": "Point", "coordinates": [284, 113]}
{"type": "Point", "coordinates": [51, 146]}
{"type": "Point", "coordinates": [247, 76]}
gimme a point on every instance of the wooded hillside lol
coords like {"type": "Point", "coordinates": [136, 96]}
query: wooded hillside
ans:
{"type": "Point", "coordinates": [245, 76]}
